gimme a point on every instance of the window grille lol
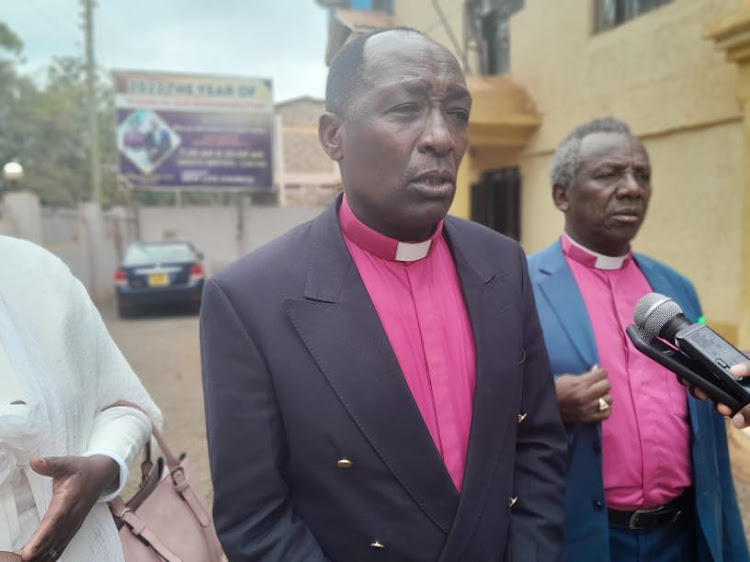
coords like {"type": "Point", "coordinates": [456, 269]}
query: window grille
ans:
{"type": "Point", "coordinates": [611, 13]}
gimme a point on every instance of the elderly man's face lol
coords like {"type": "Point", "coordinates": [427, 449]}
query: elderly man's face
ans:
{"type": "Point", "coordinates": [404, 135]}
{"type": "Point", "coordinates": [606, 203]}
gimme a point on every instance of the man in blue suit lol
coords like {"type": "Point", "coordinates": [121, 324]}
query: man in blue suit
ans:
{"type": "Point", "coordinates": [649, 476]}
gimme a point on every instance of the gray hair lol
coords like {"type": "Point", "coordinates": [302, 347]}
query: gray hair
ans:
{"type": "Point", "coordinates": [566, 159]}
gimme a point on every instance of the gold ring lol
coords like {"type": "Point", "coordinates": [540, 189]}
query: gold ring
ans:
{"type": "Point", "coordinates": [603, 404]}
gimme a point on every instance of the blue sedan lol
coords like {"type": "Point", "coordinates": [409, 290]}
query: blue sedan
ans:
{"type": "Point", "coordinates": [156, 273]}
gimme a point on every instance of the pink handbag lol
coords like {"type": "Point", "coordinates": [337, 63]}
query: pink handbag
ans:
{"type": "Point", "coordinates": [165, 519]}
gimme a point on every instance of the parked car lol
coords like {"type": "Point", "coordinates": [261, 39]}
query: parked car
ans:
{"type": "Point", "coordinates": [156, 273]}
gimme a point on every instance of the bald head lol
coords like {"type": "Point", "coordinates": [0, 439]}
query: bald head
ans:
{"type": "Point", "coordinates": [398, 131]}
{"type": "Point", "coordinates": [347, 76]}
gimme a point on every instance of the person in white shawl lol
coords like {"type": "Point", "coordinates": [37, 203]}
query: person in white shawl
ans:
{"type": "Point", "coordinates": [64, 447]}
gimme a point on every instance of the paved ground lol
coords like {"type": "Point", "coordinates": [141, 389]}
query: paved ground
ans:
{"type": "Point", "coordinates": [164, 350]}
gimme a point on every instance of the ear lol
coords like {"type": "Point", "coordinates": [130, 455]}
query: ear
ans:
{"type": "Point", "coordinates": [560, 197]}
{"type": "Point", "coordinates": [330, 135]}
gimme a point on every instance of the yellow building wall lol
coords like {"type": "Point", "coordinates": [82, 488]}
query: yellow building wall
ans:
{"type": "Point", "coordinates": [422, 15]}
{"type": "Point", "coordinates": [694, 220]}
{"type": "Point", "coordinates": [673, 88]}
{"type": "Point", "coordinates": [541, 222]}
{"type": "Point", "coordinates": [677, 93]}
{"type": "Point", "coordinates": [656, 71]}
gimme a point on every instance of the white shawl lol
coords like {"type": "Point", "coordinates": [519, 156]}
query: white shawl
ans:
{"type": "Point", "coordinates": [70, 369]}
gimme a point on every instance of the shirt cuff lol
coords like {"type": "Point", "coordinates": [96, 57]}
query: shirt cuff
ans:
{"type": "Point", "coordinates": [124, 473]}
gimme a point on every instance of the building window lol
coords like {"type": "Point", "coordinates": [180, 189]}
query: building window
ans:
{"type": "Point", "coordinates": [383, 5]}
{"type": "Point", "coordinates": [611, 13]}
{"type": "Point", "coordinates": [496, 201]}
{"type": "Point", "coordinates": [363, 5]}
{"type": "Point", "coordinates": [489, 31]}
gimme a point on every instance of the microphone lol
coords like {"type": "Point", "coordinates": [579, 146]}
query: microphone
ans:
{"type": "Point", "coordinates": [700, 355]}
{"type": "Point", "coordinates": [659, 316]}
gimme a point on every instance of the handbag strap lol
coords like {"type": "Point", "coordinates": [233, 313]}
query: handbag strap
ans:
{"type": "Point", "coordinates": [176, 472]}
{"type": "Point", "coordinates": [138, 527]}
{"type": "Point", "coordinates": [172, 462]}
{"type": "Point", "coordinates": [183, 487]}
{"type": "Point", "coordinates": [150, 477]}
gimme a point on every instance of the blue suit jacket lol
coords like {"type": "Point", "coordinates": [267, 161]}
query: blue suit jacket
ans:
{"type": "Point", "coordinates": [572, 349]}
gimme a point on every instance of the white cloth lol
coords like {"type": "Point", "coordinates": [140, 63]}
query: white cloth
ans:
{"type": "Point", "coordinates": [58, 357]}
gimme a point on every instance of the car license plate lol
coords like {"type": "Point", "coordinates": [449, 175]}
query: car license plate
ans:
{"type": "Point", "coordinates": [158, 280]}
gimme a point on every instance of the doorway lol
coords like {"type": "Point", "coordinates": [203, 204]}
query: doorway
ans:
{"type": "Point", "coordinates": [496, 201]}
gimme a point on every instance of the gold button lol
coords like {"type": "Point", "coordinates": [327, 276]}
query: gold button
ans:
{"type": "Point", "coordinates": [522, 417]}
{"type": "Point", "coordinates": [344, 463]}
{"type": "Point", "coordinates": [512, 501]}
{"type": "Point", "coordinates": [377, 544]}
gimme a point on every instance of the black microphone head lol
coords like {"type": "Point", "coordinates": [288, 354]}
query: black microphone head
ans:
{"type": "Point", "coordinates": [653, 311]}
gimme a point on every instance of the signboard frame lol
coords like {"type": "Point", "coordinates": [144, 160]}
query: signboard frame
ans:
{"type": "Point", "coordinates": [194, 132]}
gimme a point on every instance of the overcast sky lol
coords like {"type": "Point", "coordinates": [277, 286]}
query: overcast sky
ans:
{"type": "Point", "coordinates": [279, 39]}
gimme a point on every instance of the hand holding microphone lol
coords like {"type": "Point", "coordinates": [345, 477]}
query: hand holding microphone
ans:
{"type": "Point", "coordinates": [742, 418]}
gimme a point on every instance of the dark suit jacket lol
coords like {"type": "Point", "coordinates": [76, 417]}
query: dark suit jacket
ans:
{"type": "Point", "coordinates": [298, 375]}
{"type": "Point", "coordinates": [572, 349]}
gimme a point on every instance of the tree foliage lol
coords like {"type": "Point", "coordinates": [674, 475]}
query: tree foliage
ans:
{"type": "Point", "coordinates": [9, 41]}
{"type": "Point", "coordinates": [44, 126]}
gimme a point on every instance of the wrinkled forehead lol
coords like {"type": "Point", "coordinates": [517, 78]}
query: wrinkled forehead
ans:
{"type": "Point", "coordinates": [398, 55]}
{"type": "Point", "coordinates": [599, 148]}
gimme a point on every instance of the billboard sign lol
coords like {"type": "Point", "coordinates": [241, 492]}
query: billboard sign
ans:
{"type": "Point", "coordinates": [184, 131]}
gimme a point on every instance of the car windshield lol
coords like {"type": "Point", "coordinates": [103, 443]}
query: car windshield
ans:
{"type": "Point", "coordinates": [158, 253]}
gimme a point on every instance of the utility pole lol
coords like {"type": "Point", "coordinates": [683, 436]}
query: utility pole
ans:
{"type": "Point", "coordinates": [95, 173]}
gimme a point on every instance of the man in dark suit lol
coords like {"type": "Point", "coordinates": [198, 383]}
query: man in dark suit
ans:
{"type": "Point", "coordinates": [649, 477]}
{"type": "Point", "coordinates": [375, 380]}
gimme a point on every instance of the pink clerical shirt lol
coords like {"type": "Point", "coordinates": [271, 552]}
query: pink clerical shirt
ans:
{"type": "Point", "coordinates": [417, 294]}
{"type": "Point", "coordinates": [645, 441]}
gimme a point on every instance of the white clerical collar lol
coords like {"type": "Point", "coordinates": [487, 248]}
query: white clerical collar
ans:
{"type": "Point", "coordinates": [380, 245]}
{"type": "Point", "coordinates": [602, 261]}
{"type": "Point", "coordinates": [412, 251]}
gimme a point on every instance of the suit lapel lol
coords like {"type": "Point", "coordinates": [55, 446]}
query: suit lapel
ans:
{"type": "Point", "coordinates": [492, 417]}
{"type": "Point", "coordinates": [340, 327]}
{"type": "Point", "coordinates": [656, 279]}
{"type": "Point", "coordinates": [562, 295]}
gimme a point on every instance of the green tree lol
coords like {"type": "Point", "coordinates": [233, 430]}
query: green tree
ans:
{"type": "Point", "coordinates": [45, 127]}
{"type": "Point", "coordinates": [57, 148]}
{"type": "Point", "coordinates": [12, 89]}
{"type": "Point", "coordinates": [9, 40]}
